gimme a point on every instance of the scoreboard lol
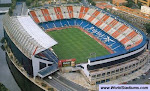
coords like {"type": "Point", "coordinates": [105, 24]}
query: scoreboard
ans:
{"type": "Point", "coordinates": [66, 62]}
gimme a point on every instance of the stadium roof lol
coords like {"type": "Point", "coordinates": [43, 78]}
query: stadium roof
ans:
{"type": "Point", "coordinates": [36, 32]}
{"type": "Point", "coordinates": [27, 35]}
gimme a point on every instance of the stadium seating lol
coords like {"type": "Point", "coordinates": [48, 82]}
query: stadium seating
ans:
{"type": "Point", "coordinates": [57, 23]}
{"type": "Point", "coordinates": [65, 22]}
{"type": "Point", "coordinates": [41, 17]}
{"type": "Point", "coordinates": [52, 14]}
{"type": "Point", "coordinates": [46, 14]}
{"type": "Point", "coordinates": [50, 25]}
{"type": "Point", "coordinates": [34, 16]}
{"type": "Point", "coordinates": [95, 21]}
{"type": "Point", "coordinates": [58, 13]}
{"type": "Point", "coordinates": [65, 12]}
{"type": "Point", "coordinates": [70, 11]}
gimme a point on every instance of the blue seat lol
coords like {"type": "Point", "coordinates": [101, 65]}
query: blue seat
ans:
{"type": "Point", "coordinates": [64, 22]}
{"type": "Point", "coordinates": [71, 22]}
{"type": "Point", "coordinates": [78, 21]}
{"type": "Point", "coordinates": [44, 25]}
{"type": "Point", "coordinates": [50, 24]}
{"type": "Point", "coordinates": [57, 23]}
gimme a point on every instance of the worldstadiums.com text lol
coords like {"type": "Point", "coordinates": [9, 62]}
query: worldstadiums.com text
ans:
{"type": "Point", "coordinates": [124, 87]}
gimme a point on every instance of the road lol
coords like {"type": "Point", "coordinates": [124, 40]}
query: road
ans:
{"type": "Point", "coordinates": [141, 80]}
{"type": "Point", "coordinates": [55, 83]}
{"type": "Point", "coordinates": [62, 84]}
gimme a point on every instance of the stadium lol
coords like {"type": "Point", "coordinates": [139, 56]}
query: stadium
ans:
{"type": "Point", "coordinates": [104, 46]}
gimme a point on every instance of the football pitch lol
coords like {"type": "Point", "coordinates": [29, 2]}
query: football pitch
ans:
{"type": "Point", "coordinates": [73, 43]}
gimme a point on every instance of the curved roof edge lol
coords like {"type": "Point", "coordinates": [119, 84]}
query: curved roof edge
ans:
{"type": "Point", "coordinates": [144, 41]}
{"type": "Point", "coordinates": [27, 35]}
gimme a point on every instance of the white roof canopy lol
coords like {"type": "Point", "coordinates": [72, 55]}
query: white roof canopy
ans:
{"type": "Point", "coordinates": [36, 32]}
{"type": "Point", "coordinates": [27, 35]}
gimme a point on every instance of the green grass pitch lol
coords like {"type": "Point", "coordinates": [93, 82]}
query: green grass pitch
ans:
{"type": "Point", "coordinates": [73, 43]}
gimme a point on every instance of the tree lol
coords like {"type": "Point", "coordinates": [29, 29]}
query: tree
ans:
{"type": "Point", "coordinates": [3, 88]}
{"type": "Point", "coordinates": [139, 4]}
{"type": "Point", "coordinates": [28, 2]}
{"type": "Point", "coordinates": [43, 1]}
{"type": "Point", "coordinates": [2, 40]}
{"type": "Point", "coordinates": [10, 11]}
{"type": "Point", "coordinates": [93, 3]}
{"type": "Point", "coordinates": [129, 3]}
{"type": "Point", "coordinates": [105, 9]}
{"type": "Point", "coordinates": [147, 27]}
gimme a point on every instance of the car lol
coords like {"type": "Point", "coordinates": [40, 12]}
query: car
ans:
{"type": "Point", "coordinates": [134, 79]}
{"type": "Point", "coordinates": [148, 78]}
{"type": "Point", "coordinates": [144, 74]}
{"type": "Point", "coordinates": [138, 77]}
{"type": "Point", "coordinates": [143, 77]}
{"type": "Point", "coordinates": [50, 77]}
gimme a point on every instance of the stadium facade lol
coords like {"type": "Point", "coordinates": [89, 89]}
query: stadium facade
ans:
{"type": "Point", "coordinates": [26, 37]}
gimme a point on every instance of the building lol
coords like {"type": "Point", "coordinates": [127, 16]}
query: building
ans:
{"type": "Point", "coordinates": [145, 9]}
{"type": "Point", "coordinates": [26, 37]}
{"type": "Point", "coordinates": [143, 2]}
{"type": "Point", "coordinates": [119, 2]}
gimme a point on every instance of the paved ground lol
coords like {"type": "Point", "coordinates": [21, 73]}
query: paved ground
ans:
{"type": "Point", "coordinates": [63, 84]}
{"type": "Point", "coordinates": [79, 79]}
{"type": "Point", "coordinates": [53, 82]}
{"type": "Point", "coordinates": [141, 80]}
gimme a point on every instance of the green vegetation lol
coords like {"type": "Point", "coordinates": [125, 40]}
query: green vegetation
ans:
{"type": "Point", "coordinates": [2, 47]}
{"type": "Point", "coordinates": [43, 84]}
{"type": "Point", "coordinates": [92, 2]}
{"type": "Point", "coordinates": [2, 41]}
{"type": "Point", "coordinates": [5, 5]}
{"type": "Point", "coordinates": [34, 3]}
{"type": "Point", "coordinates": [146, 82]}
{"type": "Point", "coordinates": [3, 88]}
{"type": "Point", "coordinates": [129, 3]}
{"type": "Point", "coordinates": [50, 89]}
{"type": "Point", "coordinates": [69, 2]}
{"type": "Point", "coordinates": [12, 7]}
{"type": "Point", "coordinates": [73, 43]}
{"type": "Point", "coordinates": [28, 2]}
{"type": "Point", "coordinates": [147, 27]}
{"type": "Point", "coordinates": [139, 5]}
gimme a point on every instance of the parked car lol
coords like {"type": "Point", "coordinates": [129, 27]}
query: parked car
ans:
{"type": "Point", "coordinates": [50, 77]}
